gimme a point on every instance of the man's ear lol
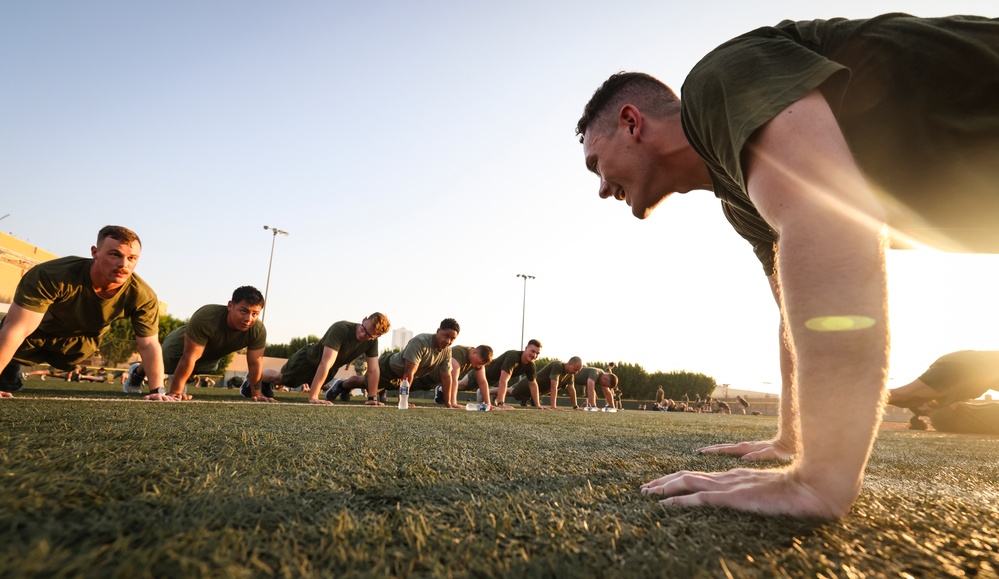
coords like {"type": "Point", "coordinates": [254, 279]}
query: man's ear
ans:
{"type": "Point", "coordinates": [631, 118]}
{"type": "Point", "coordinates": [93, 251]}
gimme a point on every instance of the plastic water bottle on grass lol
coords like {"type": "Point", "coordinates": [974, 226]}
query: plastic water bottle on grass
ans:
{"type": "Point", "coordinates": [477, 406]}
{"type": "Point", "coordinates": [404, 394]}
{"type": "Point", "coordinates": [592, 409]}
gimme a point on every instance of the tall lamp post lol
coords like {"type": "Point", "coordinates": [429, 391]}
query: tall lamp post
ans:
{"type": "Point", "coordinates": [523, 309]}
{"type": "Point", "coordinates": [270, 263]}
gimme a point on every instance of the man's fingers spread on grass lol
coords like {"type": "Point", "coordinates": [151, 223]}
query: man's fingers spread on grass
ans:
{"type": "Point", "coordinates": [5, 394]}
{"type": "Point", "coordinates": [772, 453]}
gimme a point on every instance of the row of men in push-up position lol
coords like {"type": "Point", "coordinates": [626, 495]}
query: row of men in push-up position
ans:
{"type": "Point", "coordinates": [63, 307]}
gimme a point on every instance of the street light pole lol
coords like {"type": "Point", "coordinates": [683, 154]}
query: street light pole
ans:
{"type": "Point", "coordinates": [269, 264]}
{"type": "Point", "coordinates": [523, 309]}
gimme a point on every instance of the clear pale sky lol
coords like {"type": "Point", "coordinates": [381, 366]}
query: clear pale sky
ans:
{"type": "Point", "coordinates": [421, 155]}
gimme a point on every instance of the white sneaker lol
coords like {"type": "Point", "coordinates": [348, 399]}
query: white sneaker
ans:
{"type": "Point", "coordinates": [133, 384]}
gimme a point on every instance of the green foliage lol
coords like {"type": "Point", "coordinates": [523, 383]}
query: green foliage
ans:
{"type": "Point", "coordinates": [277, 351]}
{"type": "Point", "coordinates": [168, 324]}
{"type": "Point", "coordinates": [677, 384]}
{"type": "Point", "coordinates": [224, 363]}
{"type": "Point", "coordinates": [118, 344]}
{"type": "Point", "coordinates": [286, 350]}
{"type": "Point", "coordinates": [637, 384]}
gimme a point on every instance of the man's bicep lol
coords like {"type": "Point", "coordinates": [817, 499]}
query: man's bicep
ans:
{"type": "Point", "coordinates": [193, 349]}
{"type": "Point", "coordinates": [799, 168]}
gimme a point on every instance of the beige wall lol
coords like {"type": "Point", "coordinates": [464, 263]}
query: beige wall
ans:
{"type": "Point", "coordinates": [17, 257]}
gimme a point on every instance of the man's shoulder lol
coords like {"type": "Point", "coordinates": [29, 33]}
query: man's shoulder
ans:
{"type": "Point", "coordinates": [140, 288]}
{"type": "Point", "coordinates": [208, 311]}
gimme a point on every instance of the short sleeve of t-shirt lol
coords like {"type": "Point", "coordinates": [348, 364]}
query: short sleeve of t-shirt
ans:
{"type": "Point", "coordinates": [731, 93]}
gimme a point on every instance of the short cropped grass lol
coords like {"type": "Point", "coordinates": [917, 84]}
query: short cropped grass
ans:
{"type": "Point", "coordinates": [126, 489]}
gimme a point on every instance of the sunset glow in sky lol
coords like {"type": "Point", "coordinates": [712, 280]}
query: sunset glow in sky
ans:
{"type": "Point", "coordinates": [420, 155]}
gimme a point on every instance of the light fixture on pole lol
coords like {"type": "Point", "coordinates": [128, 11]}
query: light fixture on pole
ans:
{"type": "Point", "coordinates": [523, 309]}
{"type": "Point", "coordinates": [270, 263]}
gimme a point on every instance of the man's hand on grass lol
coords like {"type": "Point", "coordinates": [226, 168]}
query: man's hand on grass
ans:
{"type": "Point", "coordinates": [374, 403]}
{"type": "Point", "coordinates": [4, 394]}
{"type": "Point", "coordinates": [768, 492]}
{"type": "Point", "coordinates": [759, 450]}
{"type": "Point", "coordinates": [262, 398]}
{"type": "Point", "coordinates": [320, 401]}
{"type": "Point", "coordinates": [157, 397]}
{"type": "Point", "coordinates": [181, 396]}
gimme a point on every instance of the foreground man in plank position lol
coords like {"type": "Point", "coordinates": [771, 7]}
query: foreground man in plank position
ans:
{"type": "Point", "coordinates": [815, 136]}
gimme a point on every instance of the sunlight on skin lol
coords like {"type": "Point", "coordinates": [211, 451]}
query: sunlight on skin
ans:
{"type": "Point", "coordinates": [839, 323]}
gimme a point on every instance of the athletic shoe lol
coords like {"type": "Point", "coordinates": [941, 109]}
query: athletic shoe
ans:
{"type": "Point", "coordinates": [382, 396]}
{"type": "Point", "coordinates": [335, 390]}
{"type": "Point", "coordinates": [439, 395]}
{"type": "Point", "coordinates": [10, 378]}
{"type": "Point", "coordinates": [24, 376]}
{"type": "Point", "coordinates": [244, 389]}
{"type": "Point", "coordinates": [133, 384]}
{"type": "Point", "coordinates": [267, 389]}
{"type": "Point", "coordinates": [42, 377]}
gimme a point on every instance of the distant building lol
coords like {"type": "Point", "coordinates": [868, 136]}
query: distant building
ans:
{"type": "Point", "coordinates": [400, 338]}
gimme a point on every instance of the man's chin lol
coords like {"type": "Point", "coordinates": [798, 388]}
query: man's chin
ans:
{"type": "Point", "coordinates": [643, 211]}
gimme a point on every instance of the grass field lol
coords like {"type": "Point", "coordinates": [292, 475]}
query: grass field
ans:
{"type": "Point", "coordinates": [126, 489]}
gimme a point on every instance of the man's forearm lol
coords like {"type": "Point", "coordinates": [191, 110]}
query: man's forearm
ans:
{"type": "Point", "coordinates": [152, 363]}
{"type": "Point", "coordinates": [180, 375]}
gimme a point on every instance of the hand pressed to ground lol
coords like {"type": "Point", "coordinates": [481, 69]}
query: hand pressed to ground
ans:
{"type": "Point", "coordinates": [768, 492]}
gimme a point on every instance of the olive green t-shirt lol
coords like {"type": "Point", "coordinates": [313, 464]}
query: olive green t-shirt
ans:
{"type": "Point", "coordinates": [419, 351]}
{"type": "Point", "coordinates": [342, 337]}
{"type": "Point", "coordinates": [62, 290]}
{"type": "Point", "coordinates": [510, 362]}
{"type": "Point", "coordinates": [460, 354]}
{"type": "Point", "coordinates": [586, 374]}
{"type": "Point", "coordinates": [915, 99]}
{"type": "Point", "coordinates": [554, 370]}
{"type": "Point", "coordinates": [208, 328]}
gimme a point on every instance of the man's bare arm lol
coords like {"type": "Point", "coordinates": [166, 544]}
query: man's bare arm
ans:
{"type": "Point", "coordinates": [316, 387]}
{"type": "Point", "coordinates": [804, 182]}
{"type": "Point", "coordinates": [192, 353]}
{"type": "Point", "coordinates": [373, 376]}
{"type": "Point", "coordinates": [152, 363]}
{"type": "Point", "coordinates": [17, 326]}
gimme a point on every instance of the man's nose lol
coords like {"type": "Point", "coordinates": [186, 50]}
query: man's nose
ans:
{"type": "Point", "coordinates": [605, 190]}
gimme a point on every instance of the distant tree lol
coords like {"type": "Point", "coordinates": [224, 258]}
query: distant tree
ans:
{"type": "Point", "coordinates": [168, 324]}
{"type": "Point", "coordinates": [118, 344]}
{"type": "Point", "coordinates": [286, 350]}
{"type": "Point", "coordinates": [540, 362]}
{"type": "Point", "coordinates": [633, 380]}
{"type": "Point", "coordinates": [224, 363]}
{"type": "Point", "coordinates": [276, 351]}
{"type": "Point", "coordinates": [680, 383]}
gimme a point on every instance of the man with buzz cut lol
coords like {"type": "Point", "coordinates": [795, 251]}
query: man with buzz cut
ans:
{"type": "Point", "coordinates": [556, 375]}
{"type": "Point", "coordinates": [63, 307]}
{"type": "Point", "coordinates": [589, 377]}
{"type": "Point", "coordinates": [316, 364]}
{"type": "Point", "coordinates": [825, 141]}
{"type": "Point", "coordinates": [464, 359]}
{"type": "Point", "coordinates": [510, 364]}
{"type": "Point", "coordinates": [425, 354]}
{"type": "Point", "coordinates": [212, 333]}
